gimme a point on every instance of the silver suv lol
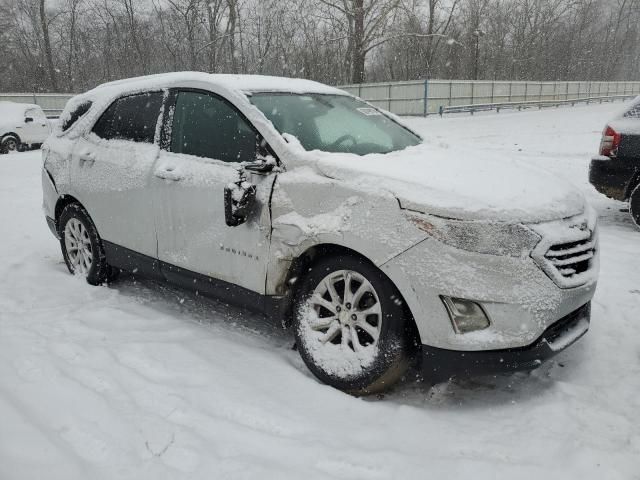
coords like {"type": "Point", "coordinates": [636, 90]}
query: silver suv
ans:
{"type": "Point", "coordinates": [296, 199]}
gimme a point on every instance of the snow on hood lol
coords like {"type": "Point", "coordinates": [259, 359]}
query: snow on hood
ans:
{"type": "Point", "coordinates": [458, 183]}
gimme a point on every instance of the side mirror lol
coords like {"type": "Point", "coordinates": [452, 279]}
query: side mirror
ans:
{"type": "Point", "coordinates": [238, 200]}
{"type": "Point", "coordinates": [264, 162]}
{"type": "Point", "coordinates": [259, 166]}
{"type": "Point", "coordinates": [28, 120]}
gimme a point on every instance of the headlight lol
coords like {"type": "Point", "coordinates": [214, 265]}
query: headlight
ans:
{"type": "Point", "coordinates": [492, 238]}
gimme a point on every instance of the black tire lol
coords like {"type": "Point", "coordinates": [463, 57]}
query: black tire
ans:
{"type": "Point", "coordinates": [99, 271]}
{"type": "Point", "coordinates": [634, 205]}
{"type": "Point", "coordinates": [390, 354]}
{"type": "Point", "coordinates": [10, 143]}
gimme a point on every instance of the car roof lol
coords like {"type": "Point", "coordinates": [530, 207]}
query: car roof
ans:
{"type": "Point", "coordinates": [16, 108]}
{"type": "Point", "coordinates": [245, 84]}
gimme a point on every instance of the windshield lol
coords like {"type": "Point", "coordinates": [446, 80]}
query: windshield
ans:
{"type": "Point", "coordinates": [334, 123]}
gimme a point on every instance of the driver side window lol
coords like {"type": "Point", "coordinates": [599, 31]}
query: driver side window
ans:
{"type": "Point", "coordinates": [207, 126]}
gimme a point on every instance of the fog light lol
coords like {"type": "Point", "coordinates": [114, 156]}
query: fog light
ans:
{"type": "Point", "coordinates": [466, 316]}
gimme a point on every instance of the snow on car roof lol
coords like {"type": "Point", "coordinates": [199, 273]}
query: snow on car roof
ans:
{"type": "Point", "coordinates": [232, 82]}
{"type": "Point", "coordinates": [15, 108]}
{"type": "Point", "coordinates": [231, 85]}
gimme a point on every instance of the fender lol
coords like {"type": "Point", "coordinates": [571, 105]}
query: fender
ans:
{"type": "Point", "coordinates": [328, 212]}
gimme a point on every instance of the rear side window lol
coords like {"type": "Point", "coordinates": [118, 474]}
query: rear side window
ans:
{"type": "Point", "coordinates": [207, 126]}
{"type": "Point", "coordinates": [133, 117]}
{"type": "Point", "coordinates": [75, 114]}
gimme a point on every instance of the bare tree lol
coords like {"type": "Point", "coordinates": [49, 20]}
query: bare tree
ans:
{"type": "Point", "coordinates": [44, 24]}
{"type": "Point", "coordinates": [75, 44]}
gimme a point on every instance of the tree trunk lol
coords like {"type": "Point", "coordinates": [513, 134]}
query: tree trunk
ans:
{"type": "Point", "coordinates": [47, 47]}
{"type": "Point", "coordinates": [232, 34]}
{"type": "Point", "coordinates": [358, 53]}
{"type": "Point", "coordinates": [212, 11]}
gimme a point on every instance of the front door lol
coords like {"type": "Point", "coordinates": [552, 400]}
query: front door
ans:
{"type": "Point", "coordinates": [110, 170]}
{"type": "Point", "coordinates": [207, 141]}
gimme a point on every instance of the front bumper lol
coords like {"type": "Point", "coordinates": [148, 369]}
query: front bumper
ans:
{"type": "Point", "coordinates": [612, 177]}
{"type": "Point", "coordinates": [440, 363]}
{"type": "Point", "coordinates": [520, 295]}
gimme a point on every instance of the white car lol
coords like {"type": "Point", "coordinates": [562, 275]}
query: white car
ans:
{"type": "Point", "coordinates": [22, 126]}
{"type": "Point", "coordinates": [296, 199]}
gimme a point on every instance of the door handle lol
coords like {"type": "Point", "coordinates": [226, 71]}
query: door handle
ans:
{"type": "Point", "coordinates": [168, 174]}
{"type": "Point", "coordinates": [87, 157]}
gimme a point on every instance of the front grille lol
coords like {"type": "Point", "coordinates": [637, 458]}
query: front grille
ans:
{"type": "Point", "coordinates": [572, 258]}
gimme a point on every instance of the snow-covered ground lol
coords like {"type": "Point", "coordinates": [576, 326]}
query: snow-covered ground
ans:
{"type": "Point", "coordinates": [143, 381]}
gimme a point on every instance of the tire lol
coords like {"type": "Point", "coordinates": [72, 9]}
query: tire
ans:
{"type": "Point", "coordinates": [10, 143]}
{"type": "Point", "coordinates": [634, 205]}
{"type": "Point", "coordinates": [75, 227]}
{"type": "Point", "coordinates": [324, 323]}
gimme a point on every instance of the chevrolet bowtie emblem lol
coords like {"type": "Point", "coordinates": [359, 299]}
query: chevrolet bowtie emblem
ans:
{"type": "Point", "coordinates": [581, 226]}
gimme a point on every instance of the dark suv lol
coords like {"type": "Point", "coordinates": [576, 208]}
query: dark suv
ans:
{"type": "Point", "coordinates": [616, 171]}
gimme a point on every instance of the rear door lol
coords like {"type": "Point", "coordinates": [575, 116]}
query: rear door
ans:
{"type": "Point", "coordinates": [207, 140]}
{"type": "Point", "coordinates": [110, 171]}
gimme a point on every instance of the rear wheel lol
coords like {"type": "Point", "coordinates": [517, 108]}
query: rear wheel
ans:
{"type": "Point", "coordinates": [82, 247]}
{"type": "Point", "coordinates": [9, 144]}
{"type": "Point", "coordinates": [634, 205]}
{"type": "Point", "coordinates": [350, 326]}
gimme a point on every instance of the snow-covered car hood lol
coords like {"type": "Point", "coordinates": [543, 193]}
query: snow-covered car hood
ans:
{"type": "Point", "coordinates": [458, 183]}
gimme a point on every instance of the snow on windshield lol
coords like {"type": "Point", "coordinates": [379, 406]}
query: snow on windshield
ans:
{"type": "Point", "coordinates": [334, 123]}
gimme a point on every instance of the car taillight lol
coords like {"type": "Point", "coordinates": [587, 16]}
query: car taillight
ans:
{"type": "Point", "coordinates": [610, 142]}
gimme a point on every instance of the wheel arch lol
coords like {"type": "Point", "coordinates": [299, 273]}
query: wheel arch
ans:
{"type": "Point", "coordinates": [10, 134]}
{"type": "Point", "coordinates": [61, 203]}
{"type": "Point", "coordinates": [308, 257]}
{"type": "Point", "coordinates": [633, 184]}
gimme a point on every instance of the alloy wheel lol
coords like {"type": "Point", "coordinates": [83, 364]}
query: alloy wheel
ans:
{"type": "Point", "coordinates": [78, 246]}
{"type": "Point", "coordinates": [347, 312]}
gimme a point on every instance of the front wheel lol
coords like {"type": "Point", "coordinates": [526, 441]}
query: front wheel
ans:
{"type": "Point", "coordinates": [81, 246]}
{"type": "Point", "coordinates": [634, 205]}
{"type": "Point", "coordinates": [350, 326]}
{"type": "Point", "coordinates": [9, 144]}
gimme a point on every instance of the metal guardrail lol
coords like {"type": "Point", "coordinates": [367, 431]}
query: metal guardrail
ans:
{"type": "Point", "coordinates": [426, 97]}
{"type": "Point", "coordinates": [530, 104]}
{"type": "Point", "coordinates": [52, 114]}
